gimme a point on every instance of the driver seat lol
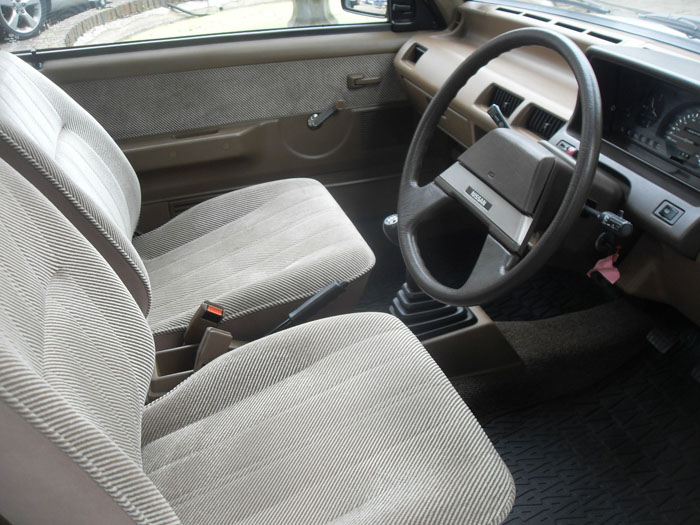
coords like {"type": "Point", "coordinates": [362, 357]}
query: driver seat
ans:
{"type": "Point", "coordinates": [342, 420]}
{"type": "Point", "coordinates": [259, 251]}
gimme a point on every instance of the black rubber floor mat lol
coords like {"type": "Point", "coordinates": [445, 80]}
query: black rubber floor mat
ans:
{"type": "Point", "coordinates": [549, 293]}
{"type": "Point", "coordinates": [627, 451]}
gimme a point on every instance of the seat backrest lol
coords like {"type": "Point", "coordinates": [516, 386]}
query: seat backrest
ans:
{"type": "Point", "coordinates": [49, 139]}
{"type": "Point", "coordinates": [76, 359]}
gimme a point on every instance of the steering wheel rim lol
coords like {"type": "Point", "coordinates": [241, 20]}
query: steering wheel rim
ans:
{"type": "Point", "coordinates": [418, 203]}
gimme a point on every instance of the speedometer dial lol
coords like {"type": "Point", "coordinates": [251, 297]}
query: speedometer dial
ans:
{"type": "Point", "coordinates": [683, 138]}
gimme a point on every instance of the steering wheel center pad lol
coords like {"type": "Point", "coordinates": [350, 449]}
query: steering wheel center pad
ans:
{"type": "Point", "coordinates": [512, 164]}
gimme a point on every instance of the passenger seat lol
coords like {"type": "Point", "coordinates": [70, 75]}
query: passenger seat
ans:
{"type": "Point", "coordinates": [258, 251]}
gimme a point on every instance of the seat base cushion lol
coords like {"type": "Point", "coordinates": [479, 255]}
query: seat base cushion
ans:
{"type": "Point", "coordinates": [345, 420]}
{"type": "Point", "coordinates": [263, 246]}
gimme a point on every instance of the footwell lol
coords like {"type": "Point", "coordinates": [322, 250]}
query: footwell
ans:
{"type": "Point", "coordinates": [625, 451]}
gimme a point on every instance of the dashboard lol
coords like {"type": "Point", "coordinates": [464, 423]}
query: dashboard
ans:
{"type": "Point", "coordinates": [651, 107]}
{"type": "Point", "coordinates": [649, 163]}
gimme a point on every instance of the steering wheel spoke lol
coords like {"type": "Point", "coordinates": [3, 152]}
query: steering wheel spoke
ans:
{"type": "Point", "coordinates": [492, 265]}
{"type": "Point", "coordinates": [419, 203]}
{"type": "Point", "coordinates": [505, 222]}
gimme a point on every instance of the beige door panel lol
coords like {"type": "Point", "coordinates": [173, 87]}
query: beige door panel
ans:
{"type": "Point", "coordinates": [166, 104]}
{"type": "Point", "coordinates": [201, 120]}
{"type": "Point", "coordinates": [363, 147]}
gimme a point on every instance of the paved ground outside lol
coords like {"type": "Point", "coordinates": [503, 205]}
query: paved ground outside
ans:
{"type": "Point", "coordinates": [163, 22]}
{"type": "Point", "coordinates": [80, 26]}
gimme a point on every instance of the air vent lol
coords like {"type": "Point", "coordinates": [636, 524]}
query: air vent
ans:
{"type": "Point", "coordinates": [569, 26]}
{"type": "Point", "coordinates": [605, 37]}
{"type": "Point", "coordinates": [538, 17]}
{"type": "Point", "coordinates": [506, 10]}
{"type": "Point", "coordinates": [505, 100]}
{"type": "Point", "coordinates": [542, 123]}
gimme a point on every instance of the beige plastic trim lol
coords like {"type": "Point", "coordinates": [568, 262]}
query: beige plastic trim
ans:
{"type": "Point", "coordinates": [175, 360]}
{"type": "Point", "coordinates": [448, 9]}
{"type": "Point", "coordinates": [656, 271]}
{"type": "Point", "coordinates": [175, 173]}
{"type": "Point", "coordinates": [477, 349]}
{"type": "Point", "coordinates": [173, 366]}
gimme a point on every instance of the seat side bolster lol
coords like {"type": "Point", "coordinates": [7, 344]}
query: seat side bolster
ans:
{"type": "Point", "coordinates": [127, 268]}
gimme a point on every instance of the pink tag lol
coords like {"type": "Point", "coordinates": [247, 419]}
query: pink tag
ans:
{"type": "Point", "coordinates": [606, 268]}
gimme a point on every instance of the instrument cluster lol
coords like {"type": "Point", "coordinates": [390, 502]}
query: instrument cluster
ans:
{"type": "Point", "coordinates": [655, 121]}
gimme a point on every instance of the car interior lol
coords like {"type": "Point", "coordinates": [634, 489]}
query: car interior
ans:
{"type": "Point", "coordinates": [443, 268]}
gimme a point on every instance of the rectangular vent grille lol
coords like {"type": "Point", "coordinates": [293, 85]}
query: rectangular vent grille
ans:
{"type": "Point", "coordinates": [569, 26]}
{"type": "Point", "coordinates": [605, 37]}
{"type": "Point", "coordinates": [542, 123]}
{"type": "Point", "coordinates": [506, 10]}
{"type": "Point", "coordinates": [537, 17]}
{"type": "Point", "coordinates": [505, 100]}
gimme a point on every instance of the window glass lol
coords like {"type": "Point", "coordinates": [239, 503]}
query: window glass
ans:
{"type": "Point", "coordinates": [43, 24]}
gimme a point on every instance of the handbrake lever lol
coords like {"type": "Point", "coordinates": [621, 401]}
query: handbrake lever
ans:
{"type": "Point", "coordinates": [312, 305]}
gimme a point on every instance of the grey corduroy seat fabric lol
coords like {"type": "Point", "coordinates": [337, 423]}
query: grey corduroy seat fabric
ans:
{"type": "Point", "coordinates": [250, 250]}
{"type": "Point", "coordinates": [343, 420]}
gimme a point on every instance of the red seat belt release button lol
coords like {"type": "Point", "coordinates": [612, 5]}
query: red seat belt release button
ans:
{"type": "Point", "coordinates": [213, 313]}
{"type": "Point", "coordinates": [207, 315]}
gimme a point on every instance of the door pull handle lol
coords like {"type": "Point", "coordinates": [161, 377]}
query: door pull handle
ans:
{"type": "Point", "coordinates": [359, 80]}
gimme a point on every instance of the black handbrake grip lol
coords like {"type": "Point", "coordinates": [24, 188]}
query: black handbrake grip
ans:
{"type": "Point", "coordinates": [312, 305]}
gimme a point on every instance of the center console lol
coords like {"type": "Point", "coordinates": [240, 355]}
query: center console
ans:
{"type": "Point", "coordinates": [462, 341]}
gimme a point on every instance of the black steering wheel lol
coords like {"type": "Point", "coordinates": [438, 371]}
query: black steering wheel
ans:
{"type": "Point", "coordinates": [506, 180]}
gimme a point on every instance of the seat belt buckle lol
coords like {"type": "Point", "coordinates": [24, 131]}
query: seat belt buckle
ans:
{"type": "Point", "coordinates": [207, 315]}
{"type": "Point", "coordinates": [214, 343]}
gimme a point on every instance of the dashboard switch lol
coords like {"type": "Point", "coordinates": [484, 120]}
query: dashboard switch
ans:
{"type": "Point", "coordinates": [567, 148]}
{"type": "Point", "coordinates": [497, 116]}
{"type": "Point", "coordinates": [668, 212]}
